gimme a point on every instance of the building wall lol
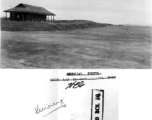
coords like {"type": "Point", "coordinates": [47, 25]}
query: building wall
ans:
{"type": "Point", "coordinates": [27, 17]}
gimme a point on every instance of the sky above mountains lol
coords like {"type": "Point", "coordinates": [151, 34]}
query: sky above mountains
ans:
{"type": "Point", "coordinates": [137, 12]}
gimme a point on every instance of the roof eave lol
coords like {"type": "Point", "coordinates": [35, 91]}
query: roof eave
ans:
{"type": "Point", "coordinates": [30, 12]}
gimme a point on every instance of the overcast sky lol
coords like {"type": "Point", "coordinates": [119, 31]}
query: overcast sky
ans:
{"type": "Point", "coordinates": [105, 11]}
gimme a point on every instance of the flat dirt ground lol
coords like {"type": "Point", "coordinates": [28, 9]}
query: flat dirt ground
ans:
{"type": "Point", "coordinates": [106, 47]}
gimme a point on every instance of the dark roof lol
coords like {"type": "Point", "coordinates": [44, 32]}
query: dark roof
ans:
{"type": "Point", "coordinates": [29, 9]}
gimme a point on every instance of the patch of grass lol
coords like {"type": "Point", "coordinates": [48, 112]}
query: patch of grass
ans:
{"type": "Point", "coordinates": [110, 47]}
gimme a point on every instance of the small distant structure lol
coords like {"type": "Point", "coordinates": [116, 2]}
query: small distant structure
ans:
{"type": "Point", "coordinates": [24, 12]}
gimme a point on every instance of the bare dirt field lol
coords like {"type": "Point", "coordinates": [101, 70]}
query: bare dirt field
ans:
{"type": "Point", "coordinates": [105, 47]}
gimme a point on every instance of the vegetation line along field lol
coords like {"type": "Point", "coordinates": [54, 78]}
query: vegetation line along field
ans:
{"type": "Point", "coordinates": [8, 25]}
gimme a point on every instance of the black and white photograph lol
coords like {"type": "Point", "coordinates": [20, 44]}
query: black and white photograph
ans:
{"type": "Point", "coordinates": [75, 60]}
{"type": "Point", "coordinates": [76, 34]}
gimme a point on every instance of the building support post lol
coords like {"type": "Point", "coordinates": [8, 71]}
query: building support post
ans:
{"type": "Point", "coordinates": [6, 15]}
{"type": "Point", "coordinates": [22, 17]}
{"type": "Point", "coordinates": [10, 16]}
{"type": "Point", "coordinates": [53, 18]}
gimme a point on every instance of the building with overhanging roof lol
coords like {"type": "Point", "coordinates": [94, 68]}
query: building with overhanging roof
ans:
{"type": "Point", "coordinates": [24, 12]}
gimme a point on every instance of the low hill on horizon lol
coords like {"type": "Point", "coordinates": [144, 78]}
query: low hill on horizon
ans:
{"type": "Point", "coordinates": [58, 25]}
